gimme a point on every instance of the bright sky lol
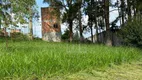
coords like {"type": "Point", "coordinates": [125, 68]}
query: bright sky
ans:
{"type": "Point", "coordinates": [41, 4]}
{"type": "Point", "coordinates": [37, 24]}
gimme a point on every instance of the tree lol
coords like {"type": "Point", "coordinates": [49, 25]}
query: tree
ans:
{"type": "Point", "coordinates": [131, 24]}
{"type": "Point", "coordinates": [25, 11]}
{"type": "Point", "coordinates": [0, 12]}
{"type": "Point", "coordinates": [129, 11]}
{"type": "Point", "coordinates": [91, 14]}
{"type": "Point", "coordinates": [5, 18]}
{"type": "Point", "coordinates": [21, 8]}
{"type": "Point", "coordinates": [122, 5]}
{"type": "Point", "coordinates": [95, 11]}
{"type": "Point", "coordinates": [80, 23]}
{"type": "Point", "coordinates": [65, 36]}
{"type": "Point", "coordinates": [106, 13]}
{"type": "Point", "coordinates": [132, 33]}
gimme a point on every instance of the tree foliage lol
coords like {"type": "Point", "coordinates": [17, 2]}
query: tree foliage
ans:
{"type": "Point", "coordinates": [132, 33]}
{"type": "Point", "coordinates": [65, 36]}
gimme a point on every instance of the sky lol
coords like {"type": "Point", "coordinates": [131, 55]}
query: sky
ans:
{"type": "Point", "coordinates": [41, 4]}
{"type": "Point", "coordinates": [37, 24]}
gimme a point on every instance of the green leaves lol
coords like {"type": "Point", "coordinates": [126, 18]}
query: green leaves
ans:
{"type": "Point", "coordinates": [20, 9]}
{"type": "Point", "coordinates": [5, 13]}
{"type": "Point", "coordinates": [23, 8]}
{"type": "Point", "coordinates": [131, 33]}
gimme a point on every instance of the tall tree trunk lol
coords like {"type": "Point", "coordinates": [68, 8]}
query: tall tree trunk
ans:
{"type": "Point", "coordinates": [134, 11]}
{"type": "Point", "coordinates": [5, 34]}
{"type": "Point", "coordinates": [80, 26]}
{"type": "Point", "coordinates": [31, 28]}
{"type": "Point", "coordinates": [134, 7]}
{"type": "Point", "coordinates": [122, 11]}
{"type": "Point", "coordinates": [129, 9]}
{"type": "Point", "coordinates": [91, 31]}
{"type": "Point", "coordinates": [31, 24]}
{"type": "Point", "coordinates": [96, 25]}
{"type": "Point", "coordinates": [0, 24]}
{"type": "Point", "coordinates": [91, 22]}
{"type": "Point", "coordinates": [97, 33]}
{"type": "Point", "coordinates": [119, 11]}
{"type": "Point", "coordinates": [71, 31]}
{"type": "Point", "coordinates": [108, 36]}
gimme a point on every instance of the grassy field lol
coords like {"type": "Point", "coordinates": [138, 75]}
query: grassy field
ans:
{"type": "Point", "coordinates": [126, 71]}
{"type": "Point", "coordinates": [38, 59]}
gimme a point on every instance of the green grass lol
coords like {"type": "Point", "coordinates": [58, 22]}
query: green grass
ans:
{"type": "Point", "coordinates": [26, 59]}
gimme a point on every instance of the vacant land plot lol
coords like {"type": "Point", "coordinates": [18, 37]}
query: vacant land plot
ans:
{"type": "Point", "coordinates": [38, 59]}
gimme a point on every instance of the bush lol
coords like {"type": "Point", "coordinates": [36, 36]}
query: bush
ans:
{"type": "Point", "coordinates": [1, 33]}
{"type": "Point", "coordinates": [37, 38]}
{"type": "Point", "coordinates": [132, 33]}
{"type": "Point", "coordinates": [18, 36]}
{"type": "Point", "coordinates": [65, 36]}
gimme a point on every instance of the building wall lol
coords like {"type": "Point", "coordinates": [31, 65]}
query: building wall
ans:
{"type": "Point", "coordinates": [51, 29]}
{"type": "Point", "coordinates": [20, 28]}
{"type": "Point", "coordinates": [116, 40]}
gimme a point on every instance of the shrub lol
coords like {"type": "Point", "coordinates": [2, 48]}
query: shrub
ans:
{"type": "Point", "coordinates": [1, 33]}
{"type": "Point", "coordinates": [37, 38]}
{"type": "Point", "coordinates": [65, 36]}
{"type": "Point", "coordinates": [18, 36]}
{"type": "Point", "coordinates": [132, 33]}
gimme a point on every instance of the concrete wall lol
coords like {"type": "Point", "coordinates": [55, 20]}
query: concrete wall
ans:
{"type": "Point", "coordinates": [52, 37]}
{"type": "Point", "coordinates": [116, 41]}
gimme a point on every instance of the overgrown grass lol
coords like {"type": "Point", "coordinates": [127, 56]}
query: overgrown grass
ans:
{"type": "Point", "coordinates": [39, 58]}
